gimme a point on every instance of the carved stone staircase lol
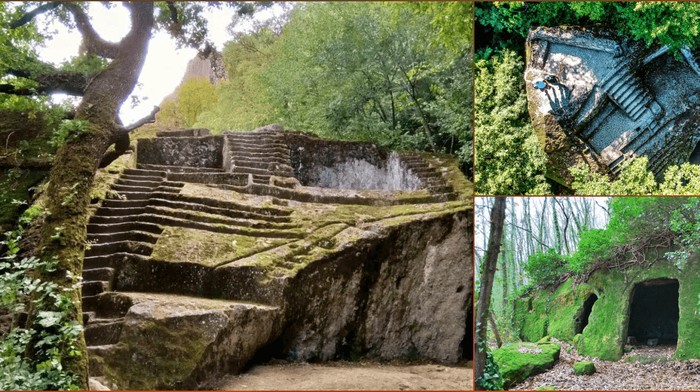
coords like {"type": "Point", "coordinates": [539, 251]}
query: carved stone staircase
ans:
{"type": "Point", "coordinates": [126, 227]}
{"type": "Point", "coordinates": [259, 154]}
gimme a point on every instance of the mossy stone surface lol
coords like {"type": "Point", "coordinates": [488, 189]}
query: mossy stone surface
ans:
{"type": "Point", "coordinates": [518, 361]}
{"type": "Point", "coordinates": [554, 314]}
{"type": "Point", "coordinates": [584, 368]}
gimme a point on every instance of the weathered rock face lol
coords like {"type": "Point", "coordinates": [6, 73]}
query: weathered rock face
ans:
{"type": "Point", "coordinates": [600, 99]}
{"type": "Point", "coordinates": [613, 317]}
{"type": "Point", "coordinates": [173, 342]}
{"type": "Point", "coordinates": [386, 296]}
{"type": "Point", "coordinates": [185, 249]}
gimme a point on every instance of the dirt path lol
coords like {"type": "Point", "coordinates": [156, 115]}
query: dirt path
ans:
{"type": "Point", "coordinates": [644, 368]}
{"type": "Point", "coordinates": [352, 376]}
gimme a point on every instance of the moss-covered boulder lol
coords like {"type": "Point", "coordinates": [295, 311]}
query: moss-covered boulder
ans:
{"type": "Point", "coordinates": [519, 361]}
{"type": "Point", "coordinates": [170, 342]}
{"type": "Point", "coordinates": [584, 368]}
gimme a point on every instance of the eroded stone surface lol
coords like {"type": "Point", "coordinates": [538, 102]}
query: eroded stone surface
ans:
{"type": "Point", "coordinates": [607, 99]}
{"type": "Point", "coordinates": [327, 273]}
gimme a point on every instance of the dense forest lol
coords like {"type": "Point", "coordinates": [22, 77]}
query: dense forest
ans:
{"type": "Point", "coordinates": [548, 241]}
{"type": "Point", "coordinates": [396, 74]}
{"type": "Point", "coordinates": [509, 159]}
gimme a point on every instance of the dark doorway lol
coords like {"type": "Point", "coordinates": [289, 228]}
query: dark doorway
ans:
{"type": "Point", "coordinates": [582, 315]}
{"type": "Point", "coordinates": [654, 312]}
{"type": "Point", "coordinates": [695, 155]}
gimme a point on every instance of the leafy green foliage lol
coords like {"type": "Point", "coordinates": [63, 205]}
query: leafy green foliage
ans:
{"type": "Point", "coordinates": [508, 159]}
{"type": "Point", "coordinates": [193, 97]}
{"type": "Point", "coordinates": [662, 23]}
{"type": "Point", "coordinates": [68, 130]}
{"type": "Point", "coordinates": [372, 72]}
{"type": "Point", "coordinates": [636, 179]}
{"type": "Point", "coordinates": [52, 334]}
{"type": "Point", "coordinates": [491, 380]}
{"type": "Point", "coordinates": [546, 268]}
{"type": "Point", "coordinates": [244, 100]}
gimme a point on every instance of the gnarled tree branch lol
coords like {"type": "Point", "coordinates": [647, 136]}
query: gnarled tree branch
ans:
{"type": "Point", "coordinates": [29, 16]}
{"type": "Point", "coordinates": [150, 118]}
{"type": "Point", "coordinates": [93, 43]}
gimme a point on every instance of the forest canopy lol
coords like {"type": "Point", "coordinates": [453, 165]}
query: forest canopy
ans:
{"type": "Point", "coordinates": [396, 74]}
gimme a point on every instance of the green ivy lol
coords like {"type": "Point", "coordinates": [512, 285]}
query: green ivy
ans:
{"type": "Point", "coordinates": [53, 333]}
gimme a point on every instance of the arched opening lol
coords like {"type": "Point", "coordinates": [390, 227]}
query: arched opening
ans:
{"type": "Point", "coordinates": [695, 155]}
{"type": "Point", "coordinates": [654, 313]}
{"type": "Point", "coordinates": [581, 320]}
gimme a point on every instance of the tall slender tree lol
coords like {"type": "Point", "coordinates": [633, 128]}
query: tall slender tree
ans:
{"type": "Point", "coordinates": [488, 270]}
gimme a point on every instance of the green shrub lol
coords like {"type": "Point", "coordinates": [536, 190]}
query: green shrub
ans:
{"type": "Point", "coordinates": [546, 268]}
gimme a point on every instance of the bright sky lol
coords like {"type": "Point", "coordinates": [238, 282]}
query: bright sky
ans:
{"type": "Point", "coordinates": [165, 65]}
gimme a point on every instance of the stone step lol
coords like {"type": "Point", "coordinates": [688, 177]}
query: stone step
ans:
{"type": "Point", "coordinates": [132, 235]}
{"type": "Point", "coordinates": [105, 274]}
{"type": "Point", "coordinates": [271, 211]}
{"type": "Point", "coordinates": [112, 260]}
{"type": "Point", "coordinates": [118, 203]}
{"type": "Point", "coordinates": [261, 158]}
{"type": "Point", "coordinates": [99, 333]}
{"type": "Point", "coordinates": [193, 221]}
{"type": "Point", "coordinates": [144, 173]}
{"type": "Point", "coordinates": [261, 179]}
{"type": "Point", "coordinates": [102, 228]}
{"type": "Point", "coordinates": [151, 184]}
{"type": "Point", "coordinates": [131, 177]}
{"type": "Point", "coordinates": [219, 219]}
{"type": "Point", "coordinates": [260, 164]}
{"type": "Point", "coordinates": [114, 211]}
{"type": "Point", "coordinates": [130, 195]}
{"type": "Point", "coordinates": [95, 287]}
{"type": "Point", "coordinates": [135, 247]}
{"type": "Point", "coordinates": [110, 304]}
{"type": "Point", "coordinates": [179, 169]}
{"type": "Point", "coordinates": [229, 212]}
{"type": "Point", "coordinates": [210, 178]}
{"type": "Point", "coordinates": [627, 96]}
{"type": "Point", "coordinates": [440, 189]}
{"type": "Point", "coordinates": [260, 149]}
{"type": "Point", "coordinates": [236, 144]}
{"type": "Point", "coordinates": [131, 188]}
{"type": "Point", "coordinates": [249, 170]}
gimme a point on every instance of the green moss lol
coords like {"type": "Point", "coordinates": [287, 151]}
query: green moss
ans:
{"type": "Point", "coordinates": [535, 319]}
{"type": "Point", "coordinates": [15, 193]}
{"type": "Point", "coordinates": [555, 314]}
{"type": "Point", "coordinates": [546, 388]}
{"type": "Point", "coordinates": [208, 248]}
{"type": "Point", "coordinates": [584, 368]}
{"type": "Point", "coordinates": [519, 361]}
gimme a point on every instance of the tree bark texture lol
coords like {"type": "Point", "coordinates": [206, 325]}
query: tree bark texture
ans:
{"type": "Point", "coordinates": [64, 232]}
{"type": "Point", "coordinates": [488, 271]}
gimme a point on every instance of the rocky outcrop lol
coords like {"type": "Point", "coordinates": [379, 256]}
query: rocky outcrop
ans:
{"type": "Point", "coordinates": [518, 361]}
{"type": "Point", "coordinates": [176, 342]}
{"type": "Point", "coordinates": [600, 99]}
{"type": "Point", "coordinates": [241, 257]}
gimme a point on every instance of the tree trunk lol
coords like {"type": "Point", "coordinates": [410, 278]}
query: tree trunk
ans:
{"type": "Point", "coordinates": [63, 234]}
{"type": "Point", "coordinates": [486, 283]}
{"type": "Point", "coordinates": [494, 328]}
